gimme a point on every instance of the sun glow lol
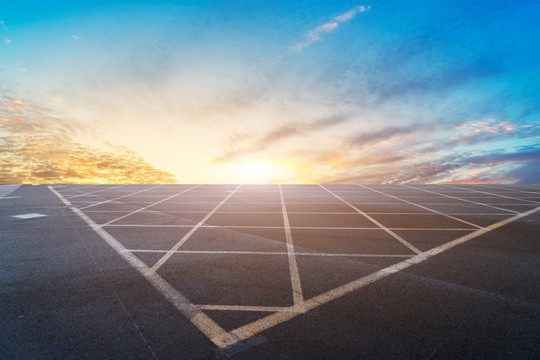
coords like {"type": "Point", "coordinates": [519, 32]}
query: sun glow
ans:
{"type": "Point", "coordinates": [262, 171]}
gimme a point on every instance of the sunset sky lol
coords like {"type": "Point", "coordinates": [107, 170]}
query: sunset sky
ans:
{"type": "Point", "coordinates": [270, 91]}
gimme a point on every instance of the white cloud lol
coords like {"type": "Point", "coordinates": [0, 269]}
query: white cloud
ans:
{"type": "Point", "coordinates": [315, 34]}
{"type": "Point", "coordinates": [75, 37]}
{"type": "Point", "coordinates": [3, 24]}
{"type": "Point", "coordinates": [8, 41]}
{"type": "Point", "coordinates": [351, 13]}
{"type": "Point", "coordinates": [327, 27]}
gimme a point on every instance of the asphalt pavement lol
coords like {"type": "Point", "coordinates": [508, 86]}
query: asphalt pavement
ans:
{"type": "Point", "coordinates": [270, 271]}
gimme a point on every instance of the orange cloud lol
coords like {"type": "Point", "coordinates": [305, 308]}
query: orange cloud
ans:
{"type": "Point", "coordinates": [37, 149]}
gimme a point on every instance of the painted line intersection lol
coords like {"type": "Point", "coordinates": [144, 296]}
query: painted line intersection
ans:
{"type": "Point", "coordinates": [225, 339]}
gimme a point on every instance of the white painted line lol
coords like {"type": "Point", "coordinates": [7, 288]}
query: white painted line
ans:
{"type": "Point", "coordinates": [8, 189]}
{"type": "Point", "coordinates": [230, 252]}
{"type": "Point", "coordinates": [461, 199]}
{"type": "Point", "coordinates": [28, 216]}
{"type": "Point", "coordinates": [166, 257]}
{"type": "Point", "coordinates": [73, 187]}
{"type": "Point", "coordinates": [229, 351]}
{"type": "Point", "coordinates": [354, 255]}
{"type": "Point", "coordinates": [9, 197]}
{"type": "Point", "coordinates": [512, 190]}
{"type": "Point", "coordinates": [146, 207]}
{"type": "Point", "coordinates": [393, 234]}
{"type": "Point", "coordinates": [292, 212]}
{"type": "Point", "coordinates": [498, 195]}
{"type": "Point", "coordinates": [298, 297]}
{"type": "Point", "coordinates": [119, 197]}
{"type": "Point", "coordinates": [205, 324]}
{"type": "Point", "coordinates": [277, 318]}
{"type": "Point", "coordinates": [244, 308]}
{"type": "Point", "coordinates": [424, 207]}
{"type": "Point", "coordinates": [93, 192]}
{"type": "Point", "coordinates": [281, 227]}
{"type": "Point", "coordinates": [424, 213]}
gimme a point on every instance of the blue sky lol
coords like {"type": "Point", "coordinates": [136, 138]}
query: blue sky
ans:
{"type": "Point", "coordinates": [260, 91]}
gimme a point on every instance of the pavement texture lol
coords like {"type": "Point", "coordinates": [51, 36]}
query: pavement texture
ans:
{"type": "Point", "coordinates": [270, 271]}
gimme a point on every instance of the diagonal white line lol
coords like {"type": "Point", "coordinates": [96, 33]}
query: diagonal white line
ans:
{"type": "Point", "coordinates": [119, 197]}
{"type": "Point", "coordinates": [298, 297]}
{"type": "Point", "coordinates": [530, 187]}
{"type": "Point", "coordinates": [423, 207]}
{"type": "Point", "coordinates": [204, 323]}
{"type": "Point", "coordinates": [510, 189]}
{"type": "Point", "coordinates": [8, 189]}
{"type": "Point", "coordinates": [166, 257]}
{"type": "Point", "coordinates": [393, 234]}
{"type": "Point", "coordinates": [73, 187]}
{"type": "Point", "coordinates": [461, 199]}
{"type": "Point", "coordinates": [93, 192]}
{"type": "Point", "coordinates": [277, 318]}
{"type": "Point", "coordinates": [146, 207]}
{"type": "Point", "coordinates": [497, 195]}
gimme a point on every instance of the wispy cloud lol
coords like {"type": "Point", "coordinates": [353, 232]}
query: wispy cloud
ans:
{"type": "Point", "coordinates": [365, 138]}
{"type": "Point", "coordinates": [3, 25]}
{"type": "Point", "coordinates": [397, 154]}
{"type": "Point", "coordinates": [8, 41]}
{"type": "Point", "coordinates": [315, 34]}
{"type": "Point", "coordinates": [254, 146]}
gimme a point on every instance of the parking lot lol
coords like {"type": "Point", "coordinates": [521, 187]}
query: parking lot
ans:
{"type": "Point", "coordinates": [270, 271]}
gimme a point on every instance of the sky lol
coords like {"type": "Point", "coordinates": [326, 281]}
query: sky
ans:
{"type": "Point", "coordinates": [225, 91]}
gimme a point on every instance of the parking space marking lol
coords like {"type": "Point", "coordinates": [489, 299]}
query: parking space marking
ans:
{"type": "Point", "coordinates": [229, 341]}
{"type": "Point", "coordinates": [74, 187]}
{"type": "Point", "coordinates": [298, 296]}
{"type": "Point", "coordinates": [393, 234]}
{"type": "Point", "coordinates": [119, 197]}
{"type": "Point", "coordinates": [511, 190]}
{"type": "Point", "coordinates": [461, 199]}
{"type": "Point", "coordinates": [204, 323]}
{"type": "Point", "coordinates": [295, 212]}
{"type": "Point", "coordinates": [499, 195]}
{"type": "Point", "coordinates": [424, 207]}
{"type": "Point", "coordinates": [277, 318]}
{"type": "Point", "coordinates": [281, 227]}
{"type": "Point", "coordinates": [244, 308]}
{"type": "Point", "coordinates": [5, 190]}
{"type": "Point", "coordinates": [28, 216]}
{"type": "Point", "coordinates": [146, 207]}
{"type": "Point", "coordinates": [96, 191]}
{"type": "Point", "coordinates": [239, 252]}
{"type": "Point", "coordinates": [165, 257]}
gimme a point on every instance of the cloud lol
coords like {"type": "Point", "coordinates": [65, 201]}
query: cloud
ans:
{"type": "Point", "coordinates": [370, 137]}
{"type": "Point", "coordinates": [38, 148]}
{"type": "Point", "coordinates": [75, 37]}
{"type": "Point", "coordinates": [482, 131]}
{"type": "Point", "coordinates": [8, 41]}
{"type": "Point", "coordinates": [393, 155]}
{"type": "Point", "coordinates": [251, 147]}
{"type": "Point", "coordinates": [315, 34]}
{"type": "Point", "coordinates": [3, 25]}
{"type": "Point", "coordinates": [351, 13]}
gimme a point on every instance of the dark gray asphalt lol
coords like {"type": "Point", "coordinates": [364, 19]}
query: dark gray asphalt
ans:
{"type": "Point", "coordinates": [65, 293]}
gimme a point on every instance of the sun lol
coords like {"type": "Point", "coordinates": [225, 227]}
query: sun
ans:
{"type": "Point", "coordinates": [257, 171]}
